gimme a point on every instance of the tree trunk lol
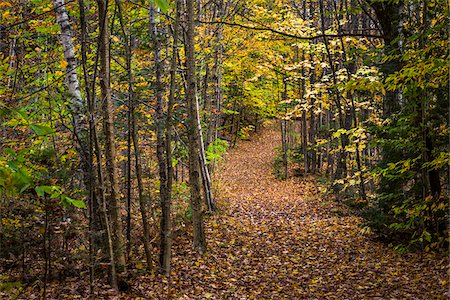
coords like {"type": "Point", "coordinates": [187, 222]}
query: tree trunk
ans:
{"type": "Point", "coordinates": [283, 128]}
{"type": "Point", "coordinates": [389, 16]}
{"type": "Point", "coordinates": [199, 242]}
{"type": "Point", "coordinates": [108, 128]}
{"type": "Point", "coordinates": [341, 165]}
{"type": "Point", "coordinates": [160, 148]}
{"type": "Point", "coordinates": [206, 178]}
{"type": "Point", "coordinates": [166, 233]}
{"type": "Point", "coordinates": [352, 69]}
{"type": "Point", "coordinates": [77, 107]}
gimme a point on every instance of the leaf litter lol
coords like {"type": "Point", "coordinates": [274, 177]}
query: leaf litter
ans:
{"type": "Point", "coordinates": [275, 239]}
{"type": "Point", "coordinates": [278, 239]}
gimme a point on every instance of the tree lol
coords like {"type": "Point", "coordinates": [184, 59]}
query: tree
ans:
{"type": "Point", "coordinates": [199, 242]}
{"type": "Point", "coordinates": [110, 148]}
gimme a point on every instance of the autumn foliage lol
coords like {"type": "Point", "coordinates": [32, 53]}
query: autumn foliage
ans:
{"type": "Point", "coordinates": [225, 149]}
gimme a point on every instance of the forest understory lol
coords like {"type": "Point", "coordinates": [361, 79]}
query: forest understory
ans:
{"type": "Point", "coordinates": [224, 149]}
{"type": "Point", "coordinates": [278, 239]}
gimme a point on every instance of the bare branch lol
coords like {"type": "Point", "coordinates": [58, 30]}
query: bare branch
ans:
{"type": "Point", "coordinates": [294, 36]}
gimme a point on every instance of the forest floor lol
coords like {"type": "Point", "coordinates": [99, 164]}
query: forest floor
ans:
{"type": "Point", "coordinates": [278, 239]}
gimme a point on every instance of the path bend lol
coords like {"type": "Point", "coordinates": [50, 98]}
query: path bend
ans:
{"type": "Point", "coordinates": [276, 239]}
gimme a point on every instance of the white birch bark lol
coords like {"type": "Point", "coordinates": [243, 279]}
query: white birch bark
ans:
{"type": "Point", "coordinates": [76, 100]}
{"type": "Point", "coordinates": [203, 167]}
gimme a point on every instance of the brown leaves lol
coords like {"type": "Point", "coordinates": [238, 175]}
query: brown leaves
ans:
{"type": "Point", "coordinates": [280, 240]}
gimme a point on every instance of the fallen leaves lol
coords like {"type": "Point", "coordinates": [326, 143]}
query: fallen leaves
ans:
{"type": "Point", "coordinates": [277, 239]}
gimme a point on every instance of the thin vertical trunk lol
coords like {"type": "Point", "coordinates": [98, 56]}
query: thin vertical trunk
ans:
{"type": "Point", "coordinates": [142, 203]}
{"type": "Point", "coordinates": [128, 180]}
{"type": "Point", "coordinates": [199, 242]}
{"type": "Point", "coordinates": [134, 141]}
{"type": "Point", "coordinates": [218, 78]}
{"type": "Point", "coordinates": [341, 161]}
{"type": "Point", "coordinates": [206, 178]}
{"type": "Point", "coordinates": [108, 127]}
{"type": "Point", "coordinates": [207, 102]}
{"type": "Point", "coordinates": [160, 145]}
{"type": "Point", "coordinates": [166, 234]}
{"type": "Point", "coordinates": [46, 250]}
{"type": "Point", "coordinates": [95, 216]}
{"type": "Point", "coordinates": [362, 189]}
{"type": "Point", "coordinates": [77, 108]}
{"type": "Point", "coordinates": [312, 139]}
{"type": "Point", "coordinates": [283, 127]}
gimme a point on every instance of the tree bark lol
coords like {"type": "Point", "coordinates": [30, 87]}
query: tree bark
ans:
{"type": "Point", "coordinates": [108, 128]}
{"type": "Point", "coordinates": [166, 222]}
{"type": "Point", "coordinates": [199, 242]}
{"type": "Point", "coordinates": [160, 149]}
{"type": "Point", "coordinates": [389, 16]}
{"type": "Point", "coordinates": [77, 107]}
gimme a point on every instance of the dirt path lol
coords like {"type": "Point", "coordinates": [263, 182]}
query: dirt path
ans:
{"type": "Point", "coordinates": [279, 240]}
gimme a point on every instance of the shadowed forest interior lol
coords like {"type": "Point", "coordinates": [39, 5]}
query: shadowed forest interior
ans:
{"type": "Point", "coordinates": [224, 149]}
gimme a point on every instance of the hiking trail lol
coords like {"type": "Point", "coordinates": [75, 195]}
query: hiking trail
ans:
{"type": "Point", "coordinates": [279, 239]}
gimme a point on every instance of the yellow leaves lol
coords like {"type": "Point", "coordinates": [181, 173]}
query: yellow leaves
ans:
{"type": "Point", "coordinates": [214, 224]}
{"type": "Point", "coordinates": [63, 64]}
{"type": "Point", "coordinates": [47, 8]}
{"type": "Point", "coordinates": [5, 4]}
{"type": "Point", "coordinates": [366, 230]}
{"type": "Point", "coordinates": [6, 14]}
{"type": "Point", "coordinates": [115, 39]}
{"type": "Point", "coordinates": [315, 280]}
{"type": "Point", "coordinates": [140, 265]}
{"type": "Point", "coordinates": [10, 222]}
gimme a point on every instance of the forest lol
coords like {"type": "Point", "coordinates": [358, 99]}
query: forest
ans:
{"type": "Point", "coordinates": [224, 149]}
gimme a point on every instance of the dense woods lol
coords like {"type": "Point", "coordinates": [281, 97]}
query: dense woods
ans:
{"type": "Point", "coordinates": [116, 117]}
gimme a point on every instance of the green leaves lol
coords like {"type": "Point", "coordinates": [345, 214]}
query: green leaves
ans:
{"type": "Point", "coordinates": [56, 192]}
{"type": "Point", "coordinates": [215, 150]}
{"type": "Point", "coordinates": [14, 177]}
{"type": "Point", "coordinates": [77, 203]}
{"type": "Point", "coordinates": [162, 4]}
{"type": "Point", "coordinates": [51, 190]}
{"type": "Point", "coordinates": [229, 111]}
{"type": "Point", "coordinates": [41, 130]}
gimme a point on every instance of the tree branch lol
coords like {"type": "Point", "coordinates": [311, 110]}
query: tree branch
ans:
{"type": "Point", "coordinates": [294, 36]}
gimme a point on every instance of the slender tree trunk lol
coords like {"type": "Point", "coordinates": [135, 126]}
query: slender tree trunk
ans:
{"type": "Point", "coordinates": [199, 242]}
{"type": "Point", "coordinates": [46, 250]}
{"type": "Point", "coordinates": [362, 188]}
{"type": "Point", "coordinates": [218, 76]}
{"type": "Point", "coordinates": [142, 203]}
{"type": "Point", "coordinates": [341, 166]}
{"type": "Point", "coordinates": [206, 178]}
{"type": "Point", "coordinates": [166, 222]}
{"type": "Point", "coordinates": [94, 217]}
{"type": "Point", "coordinates": [160, 150]}
{"type": "Point", "coordinates": [77, 107]}
{"type": "Point", "coordinates": [135, 143]}
{"type": "Point", "coordinates": [108, 127]}
{"type": "Point", "coordinates": [283, 128]}
{"type": "Point", "coordinates": [312, 139]}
